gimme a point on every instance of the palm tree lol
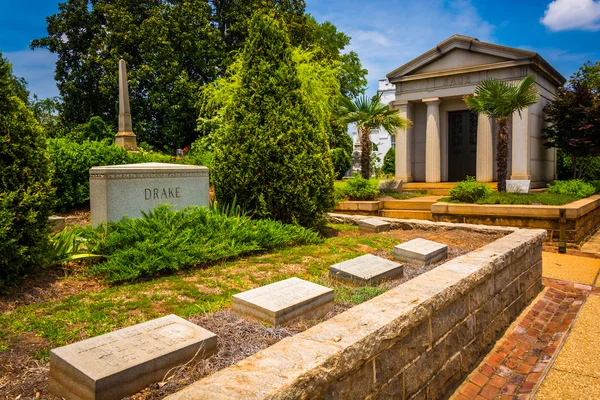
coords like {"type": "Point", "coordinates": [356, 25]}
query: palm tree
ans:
{"type": "Point", "coordinates": [499, 100]}
{"type": "Point", "coordinates": [369, 113]}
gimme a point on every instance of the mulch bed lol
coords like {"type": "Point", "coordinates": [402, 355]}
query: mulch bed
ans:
{"type": "Point", "coordinates": [24, 377]}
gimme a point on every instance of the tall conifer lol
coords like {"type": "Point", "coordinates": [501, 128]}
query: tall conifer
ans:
{"type": "Point", "coordinates": [272, 153]}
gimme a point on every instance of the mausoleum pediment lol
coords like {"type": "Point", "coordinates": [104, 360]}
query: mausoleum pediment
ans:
{"type": "Point", "coordinates": [464, 54]}
{"type": "Point", "coordinates": [458, 58]}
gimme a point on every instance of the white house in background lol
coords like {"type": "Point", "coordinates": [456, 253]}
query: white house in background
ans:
{"type": "Point", "coordinates": [381, 139]}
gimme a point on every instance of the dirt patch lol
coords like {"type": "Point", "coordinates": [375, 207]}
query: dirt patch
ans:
{"type": "Point", "coordinates": [79, 216]}
{"type": "Point", "coordinates": [48, 285]}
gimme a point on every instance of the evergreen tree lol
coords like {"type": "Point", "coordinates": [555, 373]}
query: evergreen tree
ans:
{"type": "Point", "coordinates": [389, 162]}
{"type": "Point", "coordinates": [272, 152]}
{"type": "Point", "coordinates": [25, 192]}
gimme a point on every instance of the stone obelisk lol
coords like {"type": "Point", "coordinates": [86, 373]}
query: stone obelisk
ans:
{"type": "Point", "coordinates": [125, 137]}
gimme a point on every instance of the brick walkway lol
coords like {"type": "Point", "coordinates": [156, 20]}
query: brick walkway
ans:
{"type": "Point", "coordinates": [515, 366]}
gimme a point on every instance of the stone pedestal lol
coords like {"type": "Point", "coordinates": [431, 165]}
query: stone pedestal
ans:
{"type": "Point", "coordinates": [123, 362]}
{"type": "Point", "coordinates": [366, 270]}
{"type": "Point", "coordinates": [284, 301]}
{"type": "Point", "coordinates": [127, 190]}
{"type": "Point", "coordinates": [128, 142]}
{"type": "Point", "coordinates": [433, 171]}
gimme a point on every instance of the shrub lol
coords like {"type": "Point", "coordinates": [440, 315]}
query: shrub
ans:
{"type": "Point", "coordinates": [469, 191]}
{"type": "Point", "coordinates": [72, 162]}
{"type": "Point", "coordinates": [342, 161]}
{"type": "Point", "coordinates": [359, 188]}
{"type": "Point", "coordinates": [272, 152]}
{"type": "Point", "coordinates": [389, 162]}
{"type": "Point", "coordinates": [573, 187]}
{"type": "Point", "coordinates": [165, 240]}
{"type": "Point", "coordinates": [95, 129]}
{"type": "Point", "coordinates": [25, 191]}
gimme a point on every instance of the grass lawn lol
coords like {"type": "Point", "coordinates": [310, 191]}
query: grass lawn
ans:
{"type": "Point", "coordinates": [106, 308]}
{"type": "Point", "coordinates": [546, 199]}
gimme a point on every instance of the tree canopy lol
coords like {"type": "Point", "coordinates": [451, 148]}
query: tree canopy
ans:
{"type": "Point", "coordinates": [574, 118]}
{"type": "Point", "coordinates": [172, 49]}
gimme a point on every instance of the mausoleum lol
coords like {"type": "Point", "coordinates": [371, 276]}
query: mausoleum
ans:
{"type": "Point", "coordinates": [446, 142]}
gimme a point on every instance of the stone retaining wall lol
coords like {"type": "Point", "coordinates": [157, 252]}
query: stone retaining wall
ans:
{"type": "Point", "coordinates": [417, 340]}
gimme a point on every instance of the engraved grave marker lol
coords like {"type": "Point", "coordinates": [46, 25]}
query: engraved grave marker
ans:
{"type": "Point", "coordinates": [366, 270]}
{"type": "Point", "coordinates": [283, 301]}
{"type": "Point", "coordinates": [123, 362]}
{"type": "Point", "coordinates": [420, 251]}
{"type": "Point", "coordinates": [120, 190]}
{"type": "Point", "coordinates": [373, 225]}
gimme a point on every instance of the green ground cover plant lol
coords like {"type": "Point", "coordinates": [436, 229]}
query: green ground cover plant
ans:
{"type": "Point", "coordinates": [359, 188]}
{"type": "Point", "coordinates": [469, 191]}
{"type": "Point", "coordinates": [573, 187]}
{"type": "Point", "coordinates": [546, 199]}
{"type": "Point", "coordinates": [165, 240]}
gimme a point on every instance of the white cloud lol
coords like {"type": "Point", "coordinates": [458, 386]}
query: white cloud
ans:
{"type": "Point", "coordinates": [386, 35]}
{"type": "Point", "coordinates": [562, 15]}
{"type": "Point", "coordinates": [37, 67]}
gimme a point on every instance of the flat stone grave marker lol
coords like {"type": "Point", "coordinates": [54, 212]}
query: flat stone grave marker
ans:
{"type": "Point", "coordinates": [283, 301]}
{"type": "Point", "coordinates": [373, 225]}
{"type": "Point", "coordinates": [366, 270]}
{"type": "Point", "coordinates": [123, 362]}
{"type": "Point", "coordinates": [420, 251]}
{"type": "Point", "coordinates": [127, 190]}
{"type": "Point", "coordinates": [518, 186]}
{"type": "Point", "coordinates": [57, 223]}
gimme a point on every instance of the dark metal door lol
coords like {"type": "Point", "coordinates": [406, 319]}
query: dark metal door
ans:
{"type": "Point", "coordinates": [462, 145]}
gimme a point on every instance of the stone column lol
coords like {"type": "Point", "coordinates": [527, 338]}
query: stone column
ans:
{"type": "Point", "coordinates": [520, 146]}
{"type": "Point", "coordinates": [404, 143]}
{"type": "Point", "coordinates": [125, 137]}
{"type": "Point", "coordinates": [433, 171]}
{"type": "Point", "coordinates": [485, 149]}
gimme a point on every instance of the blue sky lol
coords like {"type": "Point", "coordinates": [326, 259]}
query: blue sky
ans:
{"type": "Point", "coordinates": [385, 34]}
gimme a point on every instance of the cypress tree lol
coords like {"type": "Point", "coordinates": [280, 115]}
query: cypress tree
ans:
{"type": "Point", "coordinates": [272, 153]}
{"type": "Point", "coordinates": [25, 191]}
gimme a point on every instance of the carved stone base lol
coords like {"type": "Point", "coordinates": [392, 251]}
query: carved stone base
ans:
{"type": "Point", "coordinates": [126, 140]}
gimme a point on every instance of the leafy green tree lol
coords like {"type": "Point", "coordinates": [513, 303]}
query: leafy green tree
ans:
{"type": "Point", "coordinates": [389, 162]}
{"type": "Point", "coordinates": [25, 191]}
{"type": "Point", "coordinates": [368, 113]}
{"type": "Point", "coordinates": [499, 100]}
{"type": "Point", "coordinates": [574, 120]}
{"type": "Point", "coordinates": [171, 49]}
{"type": "Point", "coordinates": [46, 113]}
{"type": "Point", "coordinates": [272, 153]}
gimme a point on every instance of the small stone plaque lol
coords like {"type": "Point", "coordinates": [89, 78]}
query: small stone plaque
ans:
{"type": "Point", "coordinates": [390, 186]}
{"type": "Point", "coordinates": [518, 186]}
{"type": "Point", "coordinates": [373, 225]}
{"type": "Point", "coordinates": [366, 270]}
{"type": "Point", "coordinates": [420, 251]}
{"type": "Point", "coordinates": [123, 362]}
{"type": "Point", "coordinates": [283, 301]}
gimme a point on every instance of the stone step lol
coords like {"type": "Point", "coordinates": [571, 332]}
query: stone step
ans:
{"type": "Point", "coordinates": [408, 205]}
{"type": "Point", "coordinates": [406, 214]}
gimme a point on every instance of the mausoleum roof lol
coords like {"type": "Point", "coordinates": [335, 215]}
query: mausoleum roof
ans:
{"type": "Point", "coordinates": [501, 56]}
